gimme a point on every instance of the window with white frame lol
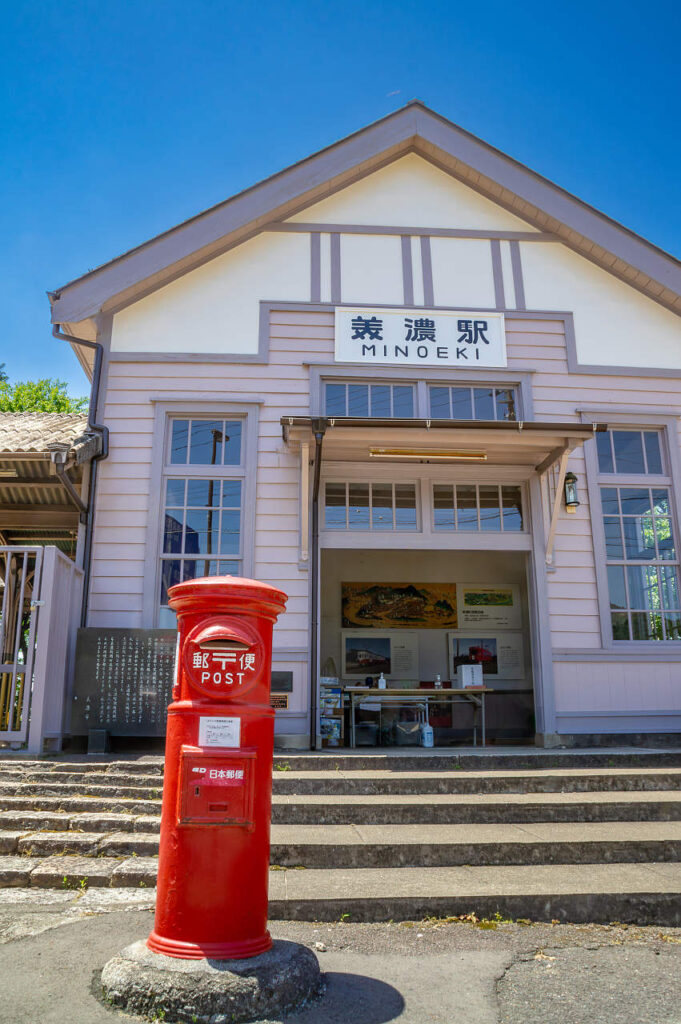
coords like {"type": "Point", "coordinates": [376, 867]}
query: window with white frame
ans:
{"type": "Point", "coordinates": [472, 403]}
{"type": "Point", "coordinates": [483, 507]}
{"type": "Point", "coordinates": [370, 506]}
{"type": "Point", "coordinates": [203, 484]}
{"type": "Point", "coordinates": [642, 558]}
{"type": "Point", "coordinates": [365, 399]}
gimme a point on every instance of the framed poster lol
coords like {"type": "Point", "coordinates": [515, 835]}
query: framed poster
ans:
{"type": "Point", "coordinates": [368, 653]}
{"type": "Point", "coordinates": [500, 654]}
{"type": "Point", "coordinates": [398, 605]}
{"type": "Point", "coordinates": [491, 606]}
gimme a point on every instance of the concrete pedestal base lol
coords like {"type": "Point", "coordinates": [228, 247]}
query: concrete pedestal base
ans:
{"type": "Point", "coordinates": [212, 991]}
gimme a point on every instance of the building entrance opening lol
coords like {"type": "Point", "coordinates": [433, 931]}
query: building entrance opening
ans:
{"type": "Point", "coordinates": [424, 648]}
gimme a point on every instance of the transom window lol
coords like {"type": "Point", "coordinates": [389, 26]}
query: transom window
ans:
{"type": "Point", "coordinates": [630, 451]}
{"type": "Point", "coordinates": [484, 507]}
{"type": "Point", "coordinates": [205, 443]}
{"type": "Point", "coordinates": [642, 558]}
{"type": "Point", "coordinates": [370, 506]}
{"type": "Point", "coordinates": [468, 403]}
{"type": "Point", "coordinates": [378, 400]}
{"type": "Point", "coordinates": [202, 504]}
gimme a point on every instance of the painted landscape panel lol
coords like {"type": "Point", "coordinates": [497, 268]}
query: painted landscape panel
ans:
{"type": "Point", "coordinates": [399, 605]}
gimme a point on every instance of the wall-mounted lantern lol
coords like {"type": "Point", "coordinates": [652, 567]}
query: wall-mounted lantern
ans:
{"type": "Point", "coordinates": [570, 491]}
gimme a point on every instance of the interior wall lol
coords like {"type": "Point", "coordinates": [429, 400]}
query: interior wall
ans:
{"type": "Point", "coordinates": [360, 566]}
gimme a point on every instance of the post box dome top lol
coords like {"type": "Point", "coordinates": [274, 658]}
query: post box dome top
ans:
{"type": "Point", "coordinates": [227, 594]}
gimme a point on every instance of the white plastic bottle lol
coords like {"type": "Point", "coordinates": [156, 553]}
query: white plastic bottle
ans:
{"type": "Point", "coordinates": [427, 737]}
{"type": "Point", "coordinates": [438, 683]}
{"type": "Point", "coordinates": [381, 682]}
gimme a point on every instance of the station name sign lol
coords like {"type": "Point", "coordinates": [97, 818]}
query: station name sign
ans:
{"type": "Point", "coordinates": [420, 337]}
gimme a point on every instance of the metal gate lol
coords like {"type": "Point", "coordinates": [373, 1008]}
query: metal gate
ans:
{"type": "Point", "coordinates": [20, 579]}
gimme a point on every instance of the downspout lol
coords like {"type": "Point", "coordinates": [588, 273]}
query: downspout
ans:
{"type": "Point", "coordinates": [318, 428]}
{"type": "Point", "coordinates": [57, 461]}
{"type": "Point", "coordinates": [103, 431]}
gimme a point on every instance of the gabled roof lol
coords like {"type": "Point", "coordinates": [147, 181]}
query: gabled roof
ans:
{"type": "Point", "coordinates": [413, 128]}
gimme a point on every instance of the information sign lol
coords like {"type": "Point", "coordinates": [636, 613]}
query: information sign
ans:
{"type": "Point", "coordinates": [123, 681]}
{"type": "Point", "coordinates": [219, 732]}
{"type": "Point", "coordinates": [495, 605]}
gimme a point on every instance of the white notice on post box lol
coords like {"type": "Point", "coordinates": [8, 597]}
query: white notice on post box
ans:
{"type": "Point", "coordinates": [219, 732]}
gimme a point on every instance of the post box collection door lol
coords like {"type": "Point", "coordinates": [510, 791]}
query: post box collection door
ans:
{"type": "Point", "coordinates": [216, 788]}
{"type": "Point", "coordinates": [215, 823]}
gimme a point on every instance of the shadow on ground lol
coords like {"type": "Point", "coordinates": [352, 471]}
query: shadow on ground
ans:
{"type": "Point", "coordinates": [352, 999]}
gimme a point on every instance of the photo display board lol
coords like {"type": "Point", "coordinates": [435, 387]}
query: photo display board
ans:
{"type": "Point", "coordinates": [500, 654]}
{"type": "Point", "coordinates": [365, 653]}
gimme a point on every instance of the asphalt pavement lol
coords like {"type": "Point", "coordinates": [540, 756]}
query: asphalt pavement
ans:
{"type": "Point", "coordinates": [53, 946]}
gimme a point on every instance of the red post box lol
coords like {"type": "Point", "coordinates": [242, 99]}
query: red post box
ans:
{"type": "Point", "coordinates": [217, 792]}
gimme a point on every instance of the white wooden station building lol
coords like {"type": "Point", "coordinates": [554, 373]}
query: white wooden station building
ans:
{"type": "Point", "coordinates": [429, 394]}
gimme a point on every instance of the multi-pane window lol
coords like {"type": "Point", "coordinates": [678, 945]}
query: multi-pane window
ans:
{"type": "Point", "coordinates": [202, 510]}
{"type": "Point", "coordinates": [376, 400]}
{"type": "Point", "coordinates": [370, 506]}
{"type": "Point", "coordinates": [468, 403]}
{"type": "Point", "coordinates": [638, 526]}
{"type": "Point", "coordinates": [484, 507]}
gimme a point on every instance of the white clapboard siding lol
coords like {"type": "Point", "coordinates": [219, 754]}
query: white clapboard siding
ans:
{"type": "Point", "coordinates": [125, 505]}
{"type": "Point", "coordinates": [124, 502]}
{"type": "Point", "coordinates": [587, 687]}
{"type": "Point", "coordinates": [625, 686]}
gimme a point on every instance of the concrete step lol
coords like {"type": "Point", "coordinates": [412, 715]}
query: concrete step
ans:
{"type": "Point", "coordinates": [80, 788]}
{"type": "Point", "coordinates": [448, 808]}
{"type": "Point", "coordinates": [357, 846]}
{"type": "Point", "coordinates": [83, 764]}
{"type": "Point", "coordinates": [80, 796]}
{"type": "Point", "coordinates": [364, 783]}
{"type": "Point", "coordinates": [480, 758]}
{"type": "Point", "coordinates": [377, 810]}
{"type": "Point", "coordinates": [368, 783]}
{"type": "Point", "coordinates": [38, 778]}
{"type": "Point", "coordinates": [480, 808]}
{"type": "Point", "coordinates": [642, 894]}
{"type": "Point", "coordinates": [393, 759]}
{"type": "Point", "coordinates": [85, 844]}
{"type": "Point", "coordinates": [77, 872]}
{"type": "Point", "coordinates": [51, 821]}
{"type": "Point", "coordinates": [86, 804]}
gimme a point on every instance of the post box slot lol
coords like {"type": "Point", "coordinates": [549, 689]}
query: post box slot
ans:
{"type": "Point", "coordinates": [215, 644]}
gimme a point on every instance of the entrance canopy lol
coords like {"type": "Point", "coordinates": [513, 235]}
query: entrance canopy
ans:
{"type": "Point", "coordinates": [531, 447]}
{"type": "Point", "coordinates": [534, 445]}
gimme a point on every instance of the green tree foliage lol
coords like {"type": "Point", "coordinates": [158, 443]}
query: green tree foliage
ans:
{"type": "Point", "coordinates": [46, 395]}
{"type": "Point", "coordinates": [3, 374]}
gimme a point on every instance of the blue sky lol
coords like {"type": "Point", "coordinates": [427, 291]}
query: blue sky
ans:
{"type": "Point", "coordinates": [120, 120]}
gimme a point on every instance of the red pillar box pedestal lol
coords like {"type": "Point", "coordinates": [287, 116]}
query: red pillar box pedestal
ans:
{"type": "Point", "coordinates": [217, 792]}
